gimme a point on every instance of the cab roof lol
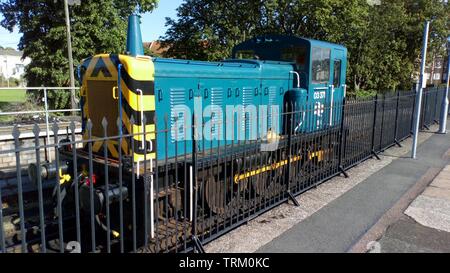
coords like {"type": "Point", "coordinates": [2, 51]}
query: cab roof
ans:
{"type": "Point", "coordinates": [283, 41]}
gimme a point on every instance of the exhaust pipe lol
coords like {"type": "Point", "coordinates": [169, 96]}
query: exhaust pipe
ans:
{"type": "Point", "coordinates": [134, 37]}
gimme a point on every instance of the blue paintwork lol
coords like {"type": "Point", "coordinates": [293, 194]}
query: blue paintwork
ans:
{"type": "Point", "coordinates": [267, 81]}
{"type": "Point", "coordinates": [219, 83]}
{"type": "Point", "coordinates": [134, 38]}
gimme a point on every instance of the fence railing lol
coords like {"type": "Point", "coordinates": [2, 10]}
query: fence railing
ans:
{"type": "Point", "coordinates": [91, 199]}
{"type": "Point", "coordinates": [27, 106]}
{"type": "Point", "coordinates": [40, 104]}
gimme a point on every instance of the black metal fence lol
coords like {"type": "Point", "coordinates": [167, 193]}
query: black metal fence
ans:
{"type": "Point", "coordinates": [88, 200]}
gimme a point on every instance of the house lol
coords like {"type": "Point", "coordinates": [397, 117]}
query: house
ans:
{"type": "Point", "coordinates": [436, 71]}
{"type": "Point", "coordinates": [11, 63]}
{"type": "Point", "coordinates": [155, 48]}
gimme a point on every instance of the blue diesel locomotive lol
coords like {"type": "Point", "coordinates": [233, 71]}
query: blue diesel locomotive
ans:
{"type": "Point", "coordinates": [265, 71]}
{"type": "Point", "coordinates": [154, 120]}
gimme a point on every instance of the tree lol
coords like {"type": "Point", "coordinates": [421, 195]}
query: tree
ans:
{"type": "Point", "coordinates": [383, 40]}
{"type": "Point", "coordinates": [439, 15]}
{"type": "Point", "coordinates": [207, 29]}
{"type": "Point", "coordinates": [98, 26]}
{"type": "Point", "coordinates": [395, 41]}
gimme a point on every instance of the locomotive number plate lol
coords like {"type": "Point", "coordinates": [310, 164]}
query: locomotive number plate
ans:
{"type": "Point", "coordinates": [319, 95]}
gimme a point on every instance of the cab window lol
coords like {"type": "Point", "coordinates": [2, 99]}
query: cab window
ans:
{"type": "Point", "coordinates": [297, 55]}
{"type": "Point", "coordinates": [337, 73]}
{"type": "Point", "coordinates": [246, 54]}
{"type": "Point", "coordinates": [320, 65]}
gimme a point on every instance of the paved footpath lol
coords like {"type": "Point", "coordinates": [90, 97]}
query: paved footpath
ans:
{"type": "Point", "coordinates": [425, 225]}
{"type": "Point", "coordinates": [345, 223]}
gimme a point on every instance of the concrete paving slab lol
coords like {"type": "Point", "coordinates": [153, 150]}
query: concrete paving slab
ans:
{"type": "Point", "coordinates": [440, 193]}
{"type": "Point", "coordinates": [445, 175]}
{"type": "Point", "coordinates": [431, 204]}
{"type": "Point", "coordinates": [441, 182]}
{"type": "Point", "coordinates": [431, 212]}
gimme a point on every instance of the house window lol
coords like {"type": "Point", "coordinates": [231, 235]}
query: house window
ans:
{"type": "Point", "coordinates": [320, 65]}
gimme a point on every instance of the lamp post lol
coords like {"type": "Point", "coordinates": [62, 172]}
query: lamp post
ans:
{"type": "Point", "coordinates": [418, 108]}
{"type": "Point", "coordinates": [444, 108]}
{"type": "Point", "coordinates": [69, 53]}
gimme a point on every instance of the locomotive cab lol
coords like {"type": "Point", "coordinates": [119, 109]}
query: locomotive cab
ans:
{"type": "Point", "coordinates": [319, 72]}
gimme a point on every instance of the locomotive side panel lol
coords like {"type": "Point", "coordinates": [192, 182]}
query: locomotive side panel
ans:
{"type": "Point", "coordinates": [226, 99]}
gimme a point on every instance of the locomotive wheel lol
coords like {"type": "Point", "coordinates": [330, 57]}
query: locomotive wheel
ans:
{"type": "Point", "coordinates": [261, 182]}
{"type": "Point", "coordinates": [215, 195]}
{"type": "Point", "coordinates": [279, 173]}
{"type": "Point", "coordinates": [296, 172]}
{"type": "Point", "coordinates": [311, 165]}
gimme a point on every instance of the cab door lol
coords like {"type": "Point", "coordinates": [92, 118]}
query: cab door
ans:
{"type": "Point", "coordinates": [320, 90]}
{"type": "Point", "coordinates": [337, 85]}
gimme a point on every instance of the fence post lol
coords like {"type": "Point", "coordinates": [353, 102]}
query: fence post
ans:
{"type": "Point", "coordinates": [36, 131]}
{"type": "Point", "coordinates": [59, 193]}
{"type": "Point", "coordinates": [23, 231]}
{"type": "Point", "coordinates": [435, 119]}
{"type": "Point", "coordinates": [411, 126]}
{"type": "Point", "coordinates": [374, 125]}
{"type": "Point", "coordinates": [341, 140]}
{"type": "Point", "coordinates": [396, 120]}
{"type": "Point", "coordinates": [425, 111]}
{"type": "Point", "coordinates": [2, 235]}
{"type": "Point", "coordinates": [193, 186]}
{"type": "Point", "coordinates": [382, 122]}
{"type": "Point", "coordinates": [287, 177]}
{"type": "Point", "coordinates": [47, 125]}
{"type": "Point", "coordinates": [72, 127]}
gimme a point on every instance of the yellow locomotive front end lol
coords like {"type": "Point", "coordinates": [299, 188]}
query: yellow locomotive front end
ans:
{"type": "Point", "coordinates": [118, 100]}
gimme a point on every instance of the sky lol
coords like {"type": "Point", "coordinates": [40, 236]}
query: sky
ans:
{"type": "Point", "coordinates": [8, 39]}
{"type": "Point", "coordinates": [152, 26]}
